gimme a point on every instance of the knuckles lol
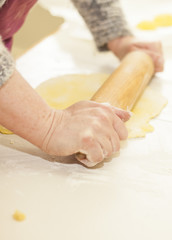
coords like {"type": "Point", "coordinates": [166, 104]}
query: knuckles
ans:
{"type": "Point", "coordinates": [88, 140]}
{"type": "Point", "coordinates": [102, 114]}
{"type": "Point", "coordinates": [117, 147]}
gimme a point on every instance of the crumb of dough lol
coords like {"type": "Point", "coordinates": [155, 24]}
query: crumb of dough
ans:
{"type": "Point", "coordinates": [19, 216]}
{"type": "Point", "coordinates": [163, 20]}
{"type": "Point", "coordinates": [147, 25]}
{"type": "Point", "coordinates": [11, 141]}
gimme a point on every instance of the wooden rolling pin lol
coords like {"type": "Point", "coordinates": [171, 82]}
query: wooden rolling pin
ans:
{"type": "Point", "coordinates": [125, 85]}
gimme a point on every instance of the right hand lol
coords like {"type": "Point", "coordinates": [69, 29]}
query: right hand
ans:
{"type": "Point", "coordinates": [87, 127]}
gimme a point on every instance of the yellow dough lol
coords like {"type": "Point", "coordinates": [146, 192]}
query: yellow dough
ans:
{"type": "Point", "coordinates": [149, 106]}
{"type": "Point", "coordinates": [147, 25]}
{"type": "Point", "coordinates": [163, 20]}
{"type": "Point", "coordinates": [63, 91]}
{"type": "Point", "coordinates": [18, 216]}
{"type": "Point", "coordinates": [4, 130]}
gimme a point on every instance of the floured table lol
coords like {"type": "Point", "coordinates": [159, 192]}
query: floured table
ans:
{"type": "Point", "coordinates": [127, 197]}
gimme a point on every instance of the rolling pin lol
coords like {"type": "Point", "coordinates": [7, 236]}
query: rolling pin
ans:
{"type": "Point", "coordinates": [125, 85]}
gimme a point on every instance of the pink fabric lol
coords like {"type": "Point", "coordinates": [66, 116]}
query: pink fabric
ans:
{"type": "Point", "coordinates": [12, 16]}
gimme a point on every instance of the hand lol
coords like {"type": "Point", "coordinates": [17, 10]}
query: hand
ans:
{"type": "Point", "coordinates": [121, 46]}
{"type": "Point", "coordinates": [91, 128]}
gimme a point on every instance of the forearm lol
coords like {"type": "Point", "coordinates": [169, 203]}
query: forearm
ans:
{"type": "Point", "coordinates": [23, 111]}
{"type": "Point", "coordinates": [105, 20]}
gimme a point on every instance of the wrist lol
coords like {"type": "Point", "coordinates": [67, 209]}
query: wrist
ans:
{"type": "Point", "coordinates": [23, 111]}
{"type": "Point", "coordinates": [52, 126]}
{"type": "Point", "coordinates": [118, 45]}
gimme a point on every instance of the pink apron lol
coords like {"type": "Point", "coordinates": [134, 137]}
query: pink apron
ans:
{"type": "Point", "coordinates": [12, 16]}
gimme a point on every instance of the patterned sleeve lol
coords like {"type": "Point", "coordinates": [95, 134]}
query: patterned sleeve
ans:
{"type": "Point", "coordinates": [104, 18]}
{"type": "Point", "coordinates": [7, 64]}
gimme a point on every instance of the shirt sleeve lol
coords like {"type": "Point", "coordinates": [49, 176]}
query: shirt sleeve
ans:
{"type": "Point", "coordinates": [7, 64]}
{"type": "Point", "coordinates": [105, 20]}
{"type": "Point", "coordinates": [2, 2]}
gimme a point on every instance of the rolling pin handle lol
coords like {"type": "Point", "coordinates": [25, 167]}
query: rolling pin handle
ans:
{"type": "Point", "coordinates": [126, 84]}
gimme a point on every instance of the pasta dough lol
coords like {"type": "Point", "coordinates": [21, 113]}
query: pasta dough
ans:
{"type": "Point", "coordinates": [63, 91]}
{"type": "Point", "coordinates": [147, 25]}
{"type": "Point", "coordinates": [66, 90]}
{"type": "Point", "coordinates": [162, 20]}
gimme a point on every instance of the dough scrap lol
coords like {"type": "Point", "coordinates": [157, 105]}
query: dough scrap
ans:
{"type": "Point", "coordinates": [147, 25]}
{"type": "Point", "coordinates": [65, 90]}
{"type": "Point", "coordinates": [162, 20]}
{"type": "Point", "coordinates": [19, 216]}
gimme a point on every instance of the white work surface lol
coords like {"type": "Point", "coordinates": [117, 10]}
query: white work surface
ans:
{"type": "Point", "coordinates": [127, 197]}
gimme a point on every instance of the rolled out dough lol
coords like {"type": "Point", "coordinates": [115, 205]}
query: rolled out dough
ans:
{"type": "Point", "coordinates": [65, 90]}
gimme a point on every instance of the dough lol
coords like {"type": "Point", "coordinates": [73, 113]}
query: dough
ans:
{"type": "Point", "coordinates": [63, 91]}
{"type": "Point", "coordinates": [147, 25]}
{"type": "Point", "coordinates": [18, 216]}
{"type": "Point", "coordinates": [163, 20]}
{"type": "Point", "coordinates": [4, 130]}
{"type": "Point", "coordinates": [149, 106]}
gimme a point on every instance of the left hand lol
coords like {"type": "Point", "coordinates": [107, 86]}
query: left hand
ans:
{"type": "Point", "coordinates": [123, 45]}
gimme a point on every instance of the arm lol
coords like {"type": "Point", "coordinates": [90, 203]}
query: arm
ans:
{"type": "Point", "coordinates": [107, 23]}
{"type": "Point", "coordinates": [22, 110]}
{"type": "Point", "coordinates": [88, 127]}
{"type": "Point", "coordinates": [105, 20]}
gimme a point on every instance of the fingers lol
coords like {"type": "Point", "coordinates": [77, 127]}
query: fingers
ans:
{"type": "Point", "coordinates": [118, 116]}
{"type": "Point", "coordinates": [157, 59]}
{"type": "Point", "coordinates": [115, 141]}
{"type": "Point", "coordinates": [122, 114]}
{"type": "Point", "coordinates": [120, 129]}
{"type": "Point", "coordinates": [153, 46]}
{"type": "Point", "coordinates": [108, 147]}
{"type": "Point", "coordinates": [92, 150]}
{"type": "Point", "coordinates": [102, 141]}
{"type": "Point", "coordinates": [100, 129]}
{"type": "Point", "coordinates": [96, 151]}
{"type": "Point", "coordinates": [154, 50]}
